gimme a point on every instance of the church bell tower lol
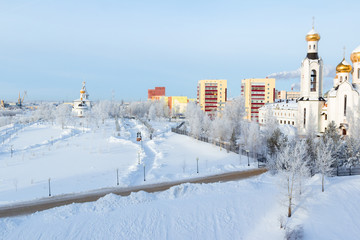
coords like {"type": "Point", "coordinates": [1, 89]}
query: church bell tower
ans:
{"type": "Point", "coordinates": [311, 101]}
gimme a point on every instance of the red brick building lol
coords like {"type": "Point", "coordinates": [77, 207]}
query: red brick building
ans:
{"type": "Point", "coordinates": [157, 92]}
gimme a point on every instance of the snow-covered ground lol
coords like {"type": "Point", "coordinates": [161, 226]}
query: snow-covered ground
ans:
{"type": "Point", "coordinates": [80, 159]}
{"type": "Point", "coordinates": [247, 209]}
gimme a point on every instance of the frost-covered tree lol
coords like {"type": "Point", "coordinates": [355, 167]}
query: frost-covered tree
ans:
{"type": "Point", "coordinates": [44, 112]}
{"type": "Point", "coordinates": [352, 141]}
{"type": "Point", "coordinates": [234, 113]}
{"type": "Point", "coordinates": [310, 139]}
{"type": "Point", "coordinates": [195, 117]}
{"type": "Point", "coordinates": [152, 112]}
{"type": "Point", "coordinates": [353, 118]}
{"type": "Point", "coordinates": [272, 134]}
{"type": "Point", "coordinates": [337, 148]}
{"type": "Point", "coordinates": [331, 132]}
{"type": "Point", "coordinates": [254, 138]}
{"type": "Point", "coordinates": [138, 109]}
{"type": "Point", "coordinates": [352, 151]}
{"type": "Point", "coordinates": [324, 160]}
{"type": "Point", "coordinates": [62, 114]}
{"type": "Point", "coordinates": [102, 110]}
{"type": "Point", "coordinates": [270, 124]}
{"type": "Point", "coordinates": [275, 141]}
{"type": "Point", "coordinates": [291, 165]}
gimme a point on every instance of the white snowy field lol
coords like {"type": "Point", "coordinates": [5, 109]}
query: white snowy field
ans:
{"type": "Point", "coordinates": [78, 159]}
{"type": "Point", "coordinates": [247, 209]}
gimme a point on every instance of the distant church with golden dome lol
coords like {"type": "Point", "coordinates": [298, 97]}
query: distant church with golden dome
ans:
{"type": "Point", "coordinates": [313, 111]}
{"type": "Point", "coordinates": [342, 101]}
{"type": "Point", "coordinates": [82, 105]}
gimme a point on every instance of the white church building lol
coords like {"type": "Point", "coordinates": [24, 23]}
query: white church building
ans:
{"type": "Point", "coordinates": [83, 104]}
{"type": "Point", "coordinates": [313, 110]}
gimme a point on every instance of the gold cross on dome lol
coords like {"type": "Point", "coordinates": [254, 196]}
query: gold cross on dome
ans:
{"type": "Point", "coordinates": [313, 22]}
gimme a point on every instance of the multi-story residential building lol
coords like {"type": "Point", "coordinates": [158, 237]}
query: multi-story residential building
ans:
{"type": "Point", "coordinates": [177, 104]}
{"type": "Point", "coordinates": [156, 93]}
{"type": "Point", "coordinates": [212, 95]}
{"type": "Point", "coordinates": [284, 95]}
{"type": "Point", "coordinates": [292, 95]}
{"type": "Point", "coordinates": [257, 92]}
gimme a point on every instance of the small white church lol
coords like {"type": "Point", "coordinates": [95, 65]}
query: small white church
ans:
{"type": "Point", "coordinates": [313, 109]}
{"type": "Point", "coordinates": [83, 104]}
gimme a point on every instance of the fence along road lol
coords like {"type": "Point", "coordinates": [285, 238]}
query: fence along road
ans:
{"type": "Point", "coordinates": [24, 208]}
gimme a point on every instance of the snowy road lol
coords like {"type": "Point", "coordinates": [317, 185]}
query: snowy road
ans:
{"type": "Point", "coordinates": [60, 200]}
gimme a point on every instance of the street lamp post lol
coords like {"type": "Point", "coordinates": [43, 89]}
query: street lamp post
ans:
{"type": "Point", "coordinates": [197, 165]}
{"type": "Point", "coordinates": [144, 173]}
{"type": "Point", "coordinates": [139, 157]}
{"type": "Point", "coordinates": [117, 176]}
{"type": "Point", "coordinates": [240, 152]}
{"type": "Point", "coordinates": [247, 153]}
{"type": "Point", "coordinates": [49, 189]}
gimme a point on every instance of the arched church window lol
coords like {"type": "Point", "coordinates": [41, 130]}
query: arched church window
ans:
{"type": "Point", "coordinates": [313, 81]}
{"type": "Point", "coordinates": [304, 117]}
{"type": "Point", "coordinates": [309, 46]}
{"type": "Point", "coordinates": [314, 46]}
{"type": "Point", "coordinates": [340, 78]}
{"type": "Point", "coordinates": [358, 73]}
{"type": "Point", "coordinates": [345, 99]}
{"type": "Point", "coordinates": [345, 78]}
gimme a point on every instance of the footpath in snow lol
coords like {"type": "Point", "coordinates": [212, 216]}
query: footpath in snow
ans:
{"type": "Point", "coordinates": [79, 158]}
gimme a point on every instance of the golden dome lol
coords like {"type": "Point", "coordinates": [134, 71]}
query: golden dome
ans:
{"type": "Point", "coordinates": [343, 67]}
{"type": "Point", "coordinates": [355, 55]}
{"type": "Point", "coordinates": [82, 91]}
{"type": "Point", "coordinates": [312, 36]}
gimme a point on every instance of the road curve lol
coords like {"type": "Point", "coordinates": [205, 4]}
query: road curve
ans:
{"type": "Point", "coordinates": [24, 208]}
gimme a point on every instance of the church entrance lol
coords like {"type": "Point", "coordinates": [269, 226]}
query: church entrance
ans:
{"type": "Point", "coordinates": [344, 132]}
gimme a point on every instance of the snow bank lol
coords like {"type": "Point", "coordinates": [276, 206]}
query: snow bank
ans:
{"type": "Point", "coordinates": [189, 211]}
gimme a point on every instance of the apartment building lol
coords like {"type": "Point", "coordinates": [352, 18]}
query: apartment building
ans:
{"type": "Point", "coordinates": [155, 94]}
{"type": "Point", "coordinates": [212, 95]}
{"type": "Point", "coordinates": [257, 92]}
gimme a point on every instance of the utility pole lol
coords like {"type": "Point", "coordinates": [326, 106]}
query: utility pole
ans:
{"type": "Point", "coordinates": [197, 165]}
{"type": "Point", "coordinates": [49, 189]}
{"type": "Point", "coordinates": [144, 173]}
{"type": "Point", "coordinates": [117, 176]}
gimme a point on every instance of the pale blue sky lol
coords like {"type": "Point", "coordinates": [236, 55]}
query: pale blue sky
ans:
{"type": "Point", "coordinates": [125, 47]}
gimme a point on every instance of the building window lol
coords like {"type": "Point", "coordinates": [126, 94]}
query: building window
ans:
{"type": "Point", "coordinates": [345, 98]}
{"type": "Point", "coordinates": [309, 47]}
{"type": "Point", "coordinates": [325, 116]}
{"type": "Point", "coordinates": [314, 46]}
{"type": "Point", "coordinates": [304, 117]}
{"type": "Point", "coordinates": [292, 122]}
{"type": "Point", "coordinates": [280, 121]}
{"type": "Point", "coordinates": [358, 73]}
{"type": "Point", "coordinates": [340, 78]}
{"type": "Point", "coordinates": [313, 81]}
